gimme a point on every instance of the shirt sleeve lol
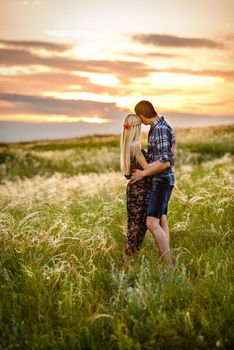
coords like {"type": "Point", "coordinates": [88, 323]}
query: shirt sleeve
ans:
{"type": "Point", "coordinates": [173, 140]}
{"type": "Point", "coordinates": [163, 145]}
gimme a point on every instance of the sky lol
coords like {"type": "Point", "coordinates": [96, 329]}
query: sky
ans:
{"type": "Point", "coordinates": [70, 68]}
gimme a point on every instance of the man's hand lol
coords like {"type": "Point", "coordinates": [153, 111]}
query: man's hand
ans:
{"type": "Point", "coordinates": [137, 175]}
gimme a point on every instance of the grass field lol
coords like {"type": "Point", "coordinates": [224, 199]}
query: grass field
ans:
{"type": "Point", "coordinates": [63, 227]}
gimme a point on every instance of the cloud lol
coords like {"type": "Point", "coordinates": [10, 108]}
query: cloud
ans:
{"type": "Point", "coordinates": [27, 44]}
{"type": "Point", "coordinates": [36, 105]}
{"type": "Point", "coordinates": [166, 40]}
{"type": "Point", "coordinates": [37, 83]}
{"type": "Point", "coordinates": [229, 36]}
{"type": "Point", "coordinates": [124, 70]}
{"type": "Point", "coordinates": [226, 74]}
{"type": "Point", "coordinates": [153, 54]}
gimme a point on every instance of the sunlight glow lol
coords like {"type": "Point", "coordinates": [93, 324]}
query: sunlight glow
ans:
{"type": "Point", "coordinates": [80, 96]}
{"type": "Point", "coordinates": [20, 70]}
{"type": "Point", "coordinates": [99, 78]}
{"type": "Point", "coordinates": [104, 79]}
{"type": "Point", "coordinates": [93, 51]}
{"type": "Point", "coordinates": [165, 80]}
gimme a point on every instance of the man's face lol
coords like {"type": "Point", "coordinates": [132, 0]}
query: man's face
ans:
{"type": "Point", "coordinates": [144, 120]}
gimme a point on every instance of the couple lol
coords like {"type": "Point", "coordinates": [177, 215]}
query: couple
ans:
{"type": "Point", "coordinates": [151, 178]}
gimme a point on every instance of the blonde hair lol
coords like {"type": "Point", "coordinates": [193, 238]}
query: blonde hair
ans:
{"type": "Point", "coordinates": [130, 144]}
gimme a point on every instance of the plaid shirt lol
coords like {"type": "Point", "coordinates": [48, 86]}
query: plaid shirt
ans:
{"type": "Point", "coordinates": [160, 139]}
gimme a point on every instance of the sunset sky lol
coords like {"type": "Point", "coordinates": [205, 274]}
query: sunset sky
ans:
{"type": "Point", "coordinates": [87, 63]}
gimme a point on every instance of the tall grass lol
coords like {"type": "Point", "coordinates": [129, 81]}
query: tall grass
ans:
{"type": "Point", "coordinates": [63, 285]}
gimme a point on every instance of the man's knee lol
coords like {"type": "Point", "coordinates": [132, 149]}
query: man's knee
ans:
{"type": "Point", "coordinates": [152, 223]}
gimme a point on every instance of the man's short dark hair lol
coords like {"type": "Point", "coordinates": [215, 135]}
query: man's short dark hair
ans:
{"type": "Point", "coordinates": [146, 109]}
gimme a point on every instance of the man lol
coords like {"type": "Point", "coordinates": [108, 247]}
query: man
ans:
{"type": "Point", "coordinates": [161, 147]}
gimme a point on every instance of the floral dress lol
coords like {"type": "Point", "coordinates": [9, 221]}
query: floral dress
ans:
{"type": "Point", "coordinates": [137, 197]}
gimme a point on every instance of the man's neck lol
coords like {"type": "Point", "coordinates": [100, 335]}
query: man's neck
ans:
{"type": "Point", "coordinates": [153, 120]}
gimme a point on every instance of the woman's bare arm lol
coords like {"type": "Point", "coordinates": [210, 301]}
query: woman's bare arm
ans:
{"type": "Point", "coordinates": [142, 161]}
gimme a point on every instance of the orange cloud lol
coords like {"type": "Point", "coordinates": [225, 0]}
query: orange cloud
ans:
{"type": "Point", "coordinates": [176, 41]}
{"type": "Point", "coordinates": [32, 44]}
{"type": "Point", "coordinates": [124, 70]}
{"type": "Point", "coordinates": [38, 105]}
{"type": "Point", "coordinates": [226, 74]}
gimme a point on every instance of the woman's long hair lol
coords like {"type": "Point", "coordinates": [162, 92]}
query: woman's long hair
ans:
{"type": "Point", "coordinates": [130, 144]}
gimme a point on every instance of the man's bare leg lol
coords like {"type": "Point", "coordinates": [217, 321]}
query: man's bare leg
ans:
{"type": "Point", "coordinates": [164, 225]}
{"type": "Point", "coordinates": [161, 239]}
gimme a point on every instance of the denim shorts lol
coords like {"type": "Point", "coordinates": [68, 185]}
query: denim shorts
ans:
{"type": "Point", "coordinates": [159, 196]}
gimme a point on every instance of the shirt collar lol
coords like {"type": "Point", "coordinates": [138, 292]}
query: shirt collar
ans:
{"type": "Point", "coordinates": [157, 122]}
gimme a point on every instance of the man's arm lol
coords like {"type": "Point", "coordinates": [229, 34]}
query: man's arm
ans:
{"type": "Point", "coordinates": [153, 169]}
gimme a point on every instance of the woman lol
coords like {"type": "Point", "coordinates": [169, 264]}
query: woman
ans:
{"type": "Point", "coordinates": [133, 157]}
